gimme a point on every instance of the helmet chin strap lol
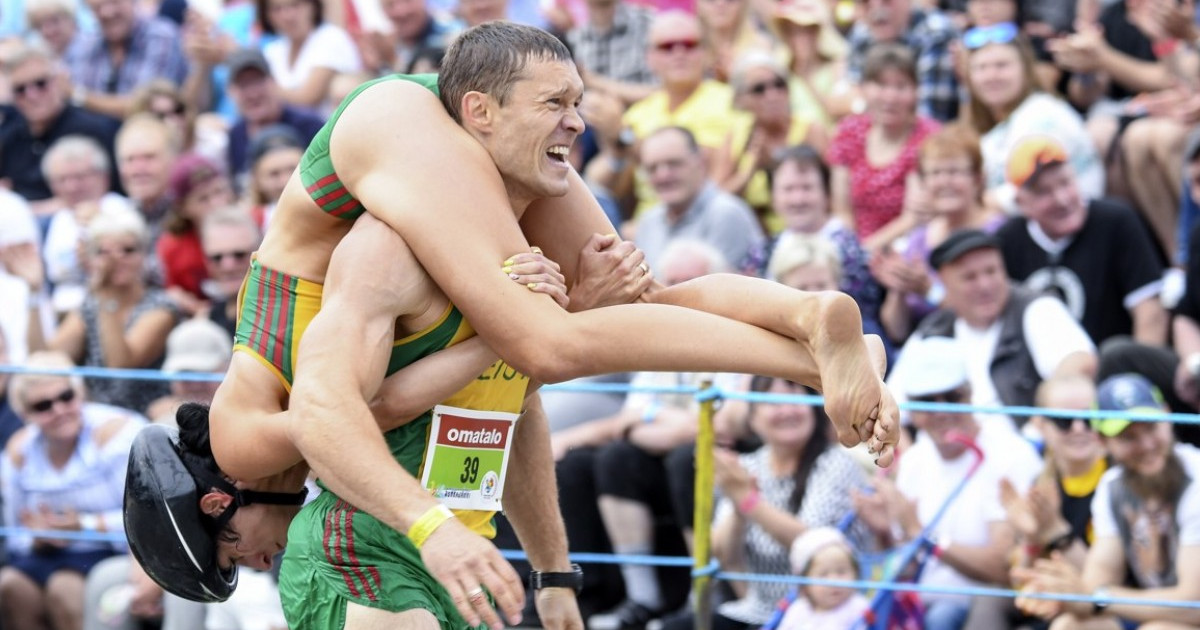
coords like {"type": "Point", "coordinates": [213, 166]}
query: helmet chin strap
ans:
{"type": "Point", "coordinates": [241, 498]}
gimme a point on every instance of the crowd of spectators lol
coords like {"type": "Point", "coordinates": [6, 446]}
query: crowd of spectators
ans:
{"type": "Point", "coordinates": [1008, 189]}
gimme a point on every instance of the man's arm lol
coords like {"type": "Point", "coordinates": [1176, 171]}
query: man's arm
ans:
{"type": "Point", "coordinates": [533, 510]}
{"type": "Point", "coordinates": [986, 563]}
{"type": "Point", "coordinates": [1150, 322]}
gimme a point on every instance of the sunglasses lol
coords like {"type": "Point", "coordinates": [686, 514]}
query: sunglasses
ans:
{"type": "Point", "coordinates": [686, 45]}
{"type": "Point", "coordinates": [42, 406]}
{"type": "Point", "coordinates": [217, 257]}
{"type": "Point", "coordinates": [981, 36]}
{"type": "Point", "coordinates": [119, 252]}
{"type": "Point", "coordinates": [40, 84]}
{"type": "Point", "coordinates": [1065, 424]}
{"type": "Point", "coordinates": [954, 397]}
{"type": "Point", "coordinates": [758, 89]}
{"type": "Point", "coordinates": [175, 110]}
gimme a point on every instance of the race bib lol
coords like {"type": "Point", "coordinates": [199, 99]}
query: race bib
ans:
{"type": "Point", "coordinates": [467, 456]}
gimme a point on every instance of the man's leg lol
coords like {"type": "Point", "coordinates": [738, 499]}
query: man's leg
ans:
{"type": "Point", "coordinates": [359, 617]}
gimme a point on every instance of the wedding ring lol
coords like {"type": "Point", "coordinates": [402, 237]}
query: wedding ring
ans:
{"type": "Point", "coordinates": [644, 267]}
{"type": "Point", "coordinates": [535, 249]}
{"type": "Point", "coordinates": [475, 593]}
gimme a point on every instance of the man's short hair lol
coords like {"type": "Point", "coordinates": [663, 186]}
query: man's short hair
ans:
{"type": "Point", "coordinates": [689, 138]}
{"type": "Point", "coordinates": [491, 58]}
{"type": "Point", "coordinates": [25, 52]}
{"type": "Point", "coordinates": [76, 147]}
{"type": "Point", "coordinates": [229, 217]}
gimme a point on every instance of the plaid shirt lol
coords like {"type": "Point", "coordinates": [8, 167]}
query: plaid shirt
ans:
{"type": "Point", "coordinates": [620, 52]}
{"type": "Point", "coordinates": [929, 35]}
{"type": "Point", "coordinates": [154, 51]}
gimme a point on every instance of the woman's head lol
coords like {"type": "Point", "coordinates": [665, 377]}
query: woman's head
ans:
{"type": "Point", "coordinates": [799, 182]}
{"type": "Point", "coordinates": [825, 553]}
{"type": "Point", "coordinates": [1000, 73]}
{"type": "Point", "coordinates": [198, 187]}
{"type": "Point", "coordinates": [289, 18]}
{"type": "Point", "coordinates": [890, 84]}
{"type": "Point", "coordinates": [760, 85]}
{"type": "Point", "coordinates": [951, 168]}
{"type": "Point", "coordinates": [790, 429]}
{"type": "Point", "coordinates": [722, 15]}
{"type": "Point", "coordinates": [53, 404]}
{"type": "Point", "coordinates": [806, 29]}
{"type": "Point", "coordinates": [163, 100]}
{"type": "Point", "coordinates": [807, 262]}
{"type": "Point", "coordinates": [54, 20]}
{"type": "Point", "coordinates": [1070, 441]}
{"type": "Point", "coordinates": [119, 235]}
{"type": "Point", "coordinates": [274, 155]}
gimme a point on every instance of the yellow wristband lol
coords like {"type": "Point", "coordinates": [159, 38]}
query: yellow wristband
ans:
{"type": "Point", "coordinates": [429, 521]}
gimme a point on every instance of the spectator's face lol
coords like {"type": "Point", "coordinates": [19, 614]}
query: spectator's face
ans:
{"type": "Point", "coordinates": [1143, 447]}
{"type": "Point", "coordinates": [991, 12]}
{"type": "Point", "coordinates": [891, 99]}
{"type": "Point", "coordinates": [532, 133]}
{"type": "Point", "coordinates": [976, 286]}
{"type": "Point", "coordinates": [951, 184]}
{"type": "Point", "coordinates": [886, 20]}
{"type": "Point", "coordinates": [144, 161]}
{"type": "Point", "coordinates": [787, 426]}
{"type": "Point", "coordinates": [54, 407]}
{"type": "Point", "coordinates": [675, 171]}
{"type": "Point", "coordinates": [798, 195]}
{"type": "Point", "coordinates": [476, 12]}
{"type": "Point", "coordinates": [1071, 440]}
{"type": "Point", "coordinates": [254, 94]}
{"type": "Point", "coordinates": [291, 18]}
{"type": "Point", "coordinates": [720, 14]}
{"type": "Point", "coordinates": [56, 27]}
{"type": "Point", "coordinates": [810, 277]}
{"type": "Point", "coordinates": [37, 91]}
{"type": "Point", "coordinates": [765, 95]}
{"type": "Point", "coordinates": [1052, 200]}
{"type": "Point", "coordinates": [273, 170]}
{"type": "Point", "coordinates": [116, 18]}
{"type": "Point", "coordinates": [996, 76]}
{"type": "Point", "coordinates": [831, 563]}
{"type": "Point", "coordinates": [227, 250]}
{"type": "Point", "coordinates": [205, 197]}
{"type": "Point", "coordinates": [676, 53]}
{"type": "Point", "coordinates": [946, 428]}
{"type": "Point", "coordinates": [76, 179]}
{"type": "Point", "coordinates": [408, 17]}
{"type": "Point", "coordinates": [126, 256]}
{"type": "Point", "coordinates": [173, 113]}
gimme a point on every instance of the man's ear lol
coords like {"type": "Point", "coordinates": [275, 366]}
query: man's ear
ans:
{"type": "Point", "coordinates": [214, 503]}
{"type": "Point", "coordinates": [477, 111]}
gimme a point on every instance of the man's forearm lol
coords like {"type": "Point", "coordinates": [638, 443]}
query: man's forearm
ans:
{"type": "Point", "coordinates": [533, 510]}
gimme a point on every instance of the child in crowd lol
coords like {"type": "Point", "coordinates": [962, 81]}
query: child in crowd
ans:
{"type": "Point", "coordinates": [824, 553]}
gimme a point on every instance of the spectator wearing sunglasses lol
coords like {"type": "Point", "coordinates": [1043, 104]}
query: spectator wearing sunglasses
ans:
{"type": "Point", "coordinates": [1011, 338]}
{"type": "Point", "coordinates": [123, 322]}
{"type": "Point", "coordinates": [229, 237]}
{"type": "Point", "coordinates": [1007, 103]}
{"type": "Point", "coordinates": [65, 470]}
{"type": "Point", "coordinates": [198, 187]}
{"type": "Point", "coordinates": [43, 115]}
{"type": "Point", "coordinates": [163, 100]}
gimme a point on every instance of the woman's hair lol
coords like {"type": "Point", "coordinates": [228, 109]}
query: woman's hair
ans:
{"type": "Point", "coordinates": [269, 29]}
{"type": "Point", "coordinates": [978, 115]}
{"type": "Point", "coordinates": [952, 141]}
{"type": "Point", "coordinates": [803, 156]}
{"type": "Point", "coordinates": [802, 250]}
{"type": "Point", "coordinates": [817, 443]}
{"type": "Point", "coordinates": [41, 7]}
{"type": "Point", "coordinates": [21, 381]}
{"type": "Point", "coordinates": [144, 96]}
{"type": "Point", "coordinates": [195, 448]}
{"type": "Point", "coordinates": [888, 56]}
{"type": "Point", "coordinates": [117, 221]}
{"type": "Point", "coordinates": [754, 60]}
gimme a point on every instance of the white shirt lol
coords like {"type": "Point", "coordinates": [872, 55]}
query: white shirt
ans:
{"type": "Point", "coordinates": [61, 253]}
{"type": "Point", "coordinates": [328, 46]}
{"type": "Point", "coordinates": [17, 225]}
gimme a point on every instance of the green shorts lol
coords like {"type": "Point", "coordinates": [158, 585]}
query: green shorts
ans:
{"type": "Point", "coordinates": [337, 554]}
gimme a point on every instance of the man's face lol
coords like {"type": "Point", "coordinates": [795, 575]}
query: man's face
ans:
{"type": "Point", "coordinates": [75, 180]}
{"type": "Point", "coordinates": [115, 17]}
{"type": "Point", "coordinates": [676, 53]}
{"type": "Point", "coordinates": [258, 533]}
{"type": "Point", "coordinates": [798, 195]}
{"type": "Point", "coordinates": [408, 17]}
{"type": "Point", "coordinates": [675, 171]}
{"type": "Point", "coordinates": [1143, 447]}
{"type": "Point", "coordinates": [886, 20]}
{"type": "Point", "coordinates": [945, 428]}
{"type": "Point", "coordinates": [254, 94]}
{"type": "Point", "coordinates": [1052, 200]}
{"type": "Point", "coordinates": [476, 12]}
{"type": "Point", "coordinates": [144, 161]}
{"type": "Point", "coordinates": [227, 250]}
{"type": "Point", "coordinates": [38, 92]}
{"type": "Point", "coordinates": [976, 286]}
{"type": "Point", "coordinates": [531, 134]}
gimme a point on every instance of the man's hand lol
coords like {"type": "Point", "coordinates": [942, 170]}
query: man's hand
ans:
{"type": "Point", "coordinates": [611, 271]}
{"type": "Point", "coordinates": [467, 565]}
{"type": "Point", "coordinates": [558, 609]}
{"type": "Point", "coordinates": [1051, 575]}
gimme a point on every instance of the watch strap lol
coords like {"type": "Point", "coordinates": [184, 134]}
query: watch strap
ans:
{"type": "Point", "coordinates": [572, 579]}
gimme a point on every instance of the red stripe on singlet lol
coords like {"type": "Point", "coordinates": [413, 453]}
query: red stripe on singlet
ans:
{"type": "Point", "coordinates": [350, 510]}
{"type": "Point", "coordinates": [347, 207]}
{"type": "Point", "coordinates": [285, 312]}
{"type": "Point", "coordinates": [329, 556]}
{"type": "Point", "coordinates": [260, 315]}
{"type": "Point", "coordinates": [321, 183]}
{"type": "Point", "coordinates": [331, 196]}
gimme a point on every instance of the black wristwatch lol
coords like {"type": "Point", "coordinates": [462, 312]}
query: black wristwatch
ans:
{"type": "Point", "coordinates": [572, 579]}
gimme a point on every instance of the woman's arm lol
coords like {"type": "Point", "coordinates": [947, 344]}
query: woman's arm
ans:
{"type": "Point", "coordinates": [70, 337]}
{"type": "Point", "coordinates": [145, 341]}
{"type": "Point", "coordinates": [313, 91]}
{"type": "Point", "coordinates": [839, 188]}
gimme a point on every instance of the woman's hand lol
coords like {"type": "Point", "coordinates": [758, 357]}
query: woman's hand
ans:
{"type": "Point", "coordinates": [733, 480]}
{"type": "Point", "coordinates": [539, 274]}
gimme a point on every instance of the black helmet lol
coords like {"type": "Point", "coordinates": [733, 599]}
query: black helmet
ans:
{"type": "Point", "coordinates": [172, 539]}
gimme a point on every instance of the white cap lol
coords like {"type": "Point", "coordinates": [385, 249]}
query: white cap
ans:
{"type": "Point", "coordinates": [812, 541]}
{"type": "Point", "coordinates": [198, 345]}
{"type": "Point", "coordinates": [933, 365]}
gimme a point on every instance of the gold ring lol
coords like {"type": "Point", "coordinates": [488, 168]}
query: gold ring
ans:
{"type": "Point", "coordinates": [475, 593]}
{"type": "Point", "coordinates": [644, 267]}
{"type": "Point", "coordinates": [535, 249]}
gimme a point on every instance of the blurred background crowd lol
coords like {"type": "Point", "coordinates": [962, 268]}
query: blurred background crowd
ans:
{"type": "Point", "coordinates": [1008, 189]}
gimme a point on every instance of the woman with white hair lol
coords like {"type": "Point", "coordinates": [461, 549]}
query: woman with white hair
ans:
{"type": "Point", "coordinates": [123, 322]}
{"type": "Point", "coordinates": [54, 21]}
{"type": "Point", "coordinates": [64, 470]}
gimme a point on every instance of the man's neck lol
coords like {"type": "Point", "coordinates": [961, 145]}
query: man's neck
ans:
{"type": "Point", "coordinates": [679, 93]}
